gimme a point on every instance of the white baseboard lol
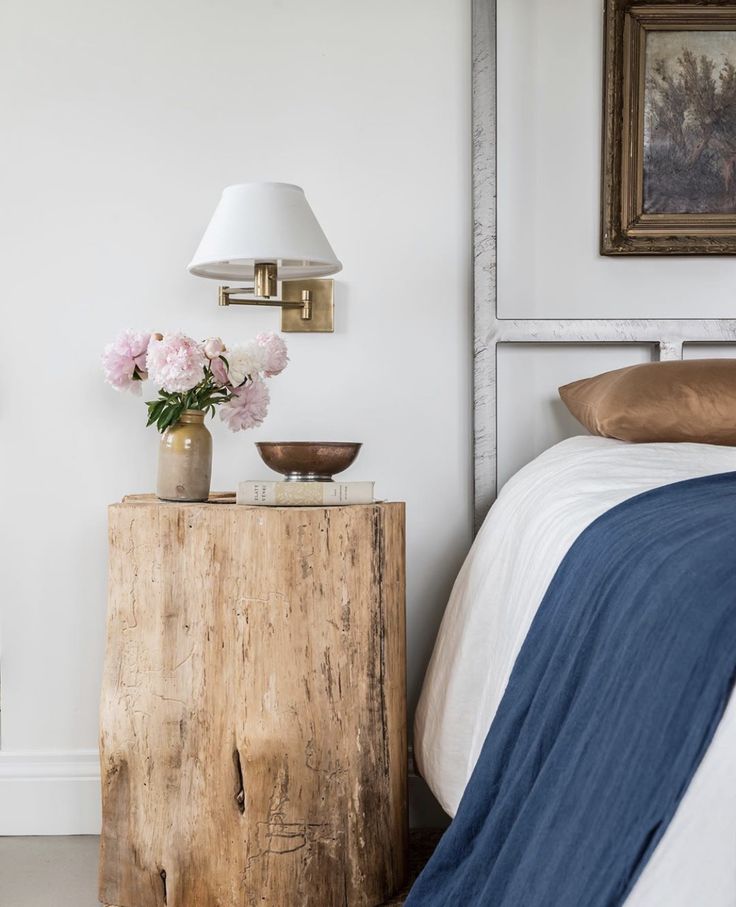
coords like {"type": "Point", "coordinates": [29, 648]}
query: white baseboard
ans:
{"type": "Point", "coordinates": [50, 793]}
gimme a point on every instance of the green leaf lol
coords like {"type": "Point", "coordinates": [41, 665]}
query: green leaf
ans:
{"type": "Point", "coordinates": [164, 419]}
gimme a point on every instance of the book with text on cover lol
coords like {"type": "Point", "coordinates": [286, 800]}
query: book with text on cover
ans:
{"type": "Point", "coordinates": [300, 494]}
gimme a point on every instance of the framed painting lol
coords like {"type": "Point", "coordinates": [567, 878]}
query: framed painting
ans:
{"type": "Point", "coordinates": [669, 129]}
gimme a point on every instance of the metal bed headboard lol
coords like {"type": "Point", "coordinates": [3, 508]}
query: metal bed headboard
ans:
{"type": "Point", "coordinates": [666, 335]}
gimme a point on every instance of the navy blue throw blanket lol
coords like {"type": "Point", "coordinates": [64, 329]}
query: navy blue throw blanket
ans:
{"type": "Point", "coordinates": [611, 705]}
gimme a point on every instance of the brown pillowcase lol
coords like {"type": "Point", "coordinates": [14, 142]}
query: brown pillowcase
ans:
{"type": "Point", "coordinates": [693, 400]}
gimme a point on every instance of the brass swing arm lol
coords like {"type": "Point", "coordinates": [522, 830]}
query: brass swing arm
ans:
{"type": "Point", "coordinates": [234, 296]}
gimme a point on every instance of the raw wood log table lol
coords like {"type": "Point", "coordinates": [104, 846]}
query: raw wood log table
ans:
{"type": "Point", "coordinates": [253, 739]}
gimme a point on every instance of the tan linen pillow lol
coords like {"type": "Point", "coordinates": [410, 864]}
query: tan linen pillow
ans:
{"type": "Point", "coordinates": [693, 400]}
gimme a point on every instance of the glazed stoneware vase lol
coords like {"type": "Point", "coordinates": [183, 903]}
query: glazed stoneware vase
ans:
{"type": "Point", "coordinates": [185, 459]}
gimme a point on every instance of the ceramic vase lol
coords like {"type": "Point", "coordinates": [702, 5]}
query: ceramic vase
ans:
{"type": "Point", "coordinates": [185, 459]}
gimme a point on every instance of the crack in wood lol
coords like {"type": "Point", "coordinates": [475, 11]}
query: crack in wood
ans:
{"type": "Point", "coordinates": [168, 698]}
{"type": "Point", "coordinates": [380, 628]}
{"type": "Point", "coordinates": [329, 773]}
{"type": "Point", "coordinates": [183, 661]}
{"type": "Point", "coordinates": [240, 786]}
{"type": "Point", "coordinates": [127, 626]}
{"type": "Point", "coordinates": [281, 838]}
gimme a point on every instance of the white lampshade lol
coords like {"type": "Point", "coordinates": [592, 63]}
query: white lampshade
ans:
{"type": "Point", "coordinates": [263, 222]}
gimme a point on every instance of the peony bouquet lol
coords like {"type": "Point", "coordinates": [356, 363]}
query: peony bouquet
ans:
{"type": "Point", "coordinates": [200, 376]}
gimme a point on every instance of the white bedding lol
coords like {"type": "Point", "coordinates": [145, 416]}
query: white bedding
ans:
{"type": "Point", "coordinates": [537, 516]}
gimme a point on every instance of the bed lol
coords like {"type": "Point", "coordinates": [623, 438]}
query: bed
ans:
{"type": "Point", "coordinates": [542, 517]}
{"type": "Point", "coordinates": [537, 517]}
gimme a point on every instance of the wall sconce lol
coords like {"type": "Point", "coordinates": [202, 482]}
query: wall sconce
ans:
{"type": "Point", "coordinates": [267, 233]}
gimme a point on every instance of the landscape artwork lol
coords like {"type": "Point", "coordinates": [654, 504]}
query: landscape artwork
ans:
{"type": "Point", "coordinates": [689, 160]}
{"type": "Point", "coordinates": [668, 179]}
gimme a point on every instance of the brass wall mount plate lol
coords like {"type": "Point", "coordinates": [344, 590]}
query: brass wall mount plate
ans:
{"type": "Point", "coordinates": [322, 300]}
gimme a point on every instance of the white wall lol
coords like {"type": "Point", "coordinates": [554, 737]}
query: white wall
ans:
{"type": "Point", "coordinates": [549, 127]}
{"type": "Point", "coordinates": [121, 123]}
{"type": "Point", "coordinates": [549, 169]}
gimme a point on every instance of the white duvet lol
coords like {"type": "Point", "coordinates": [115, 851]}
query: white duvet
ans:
{"type": "Point", "coordinates": [538, 515]}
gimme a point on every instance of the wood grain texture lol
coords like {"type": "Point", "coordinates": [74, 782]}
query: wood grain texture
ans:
{"type": "Point", "coordinates": [253, 725]}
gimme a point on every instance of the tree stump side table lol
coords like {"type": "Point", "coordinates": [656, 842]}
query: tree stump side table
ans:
{"type": "Point", "coordinates": [253, 718]}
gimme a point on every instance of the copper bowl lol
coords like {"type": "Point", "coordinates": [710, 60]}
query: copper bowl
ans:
{"type": "Point", "coordinates": [308, 461]}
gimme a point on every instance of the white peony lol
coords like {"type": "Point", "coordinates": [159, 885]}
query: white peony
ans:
{"type": "Point", "coordinates": [247, 360]}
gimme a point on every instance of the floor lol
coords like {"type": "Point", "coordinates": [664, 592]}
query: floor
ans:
{"type": "Point", "coordinates": [48, 872]}
{"type": "Point", "coordinates": [62, 872]}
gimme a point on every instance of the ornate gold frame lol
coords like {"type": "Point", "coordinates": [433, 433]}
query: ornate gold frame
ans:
{"type": "Point", "coordinates": [625, 228]}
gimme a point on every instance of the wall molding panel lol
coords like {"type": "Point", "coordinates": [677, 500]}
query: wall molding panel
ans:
{"type": "Point", "coordinates": [50, 793]}
{"type": "Point", "coordinates": [667, 336]}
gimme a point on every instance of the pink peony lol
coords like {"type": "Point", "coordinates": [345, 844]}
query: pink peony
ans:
{"type": "Point", "coordinates": [176, 363]}
{"type": "Point", "coordinates": [248, 406]}
{"type": "Point", "coordinates": [124, 361]}
{"type": "Point", "coordinates": [213, 347]}
{"type": "Point", "coordinates": [219, 371]}
{"type": "Point", "coordinates": [275, 358]}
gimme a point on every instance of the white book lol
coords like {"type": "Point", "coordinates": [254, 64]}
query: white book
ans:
{"type": "Point", "coordinates": [300, 494]}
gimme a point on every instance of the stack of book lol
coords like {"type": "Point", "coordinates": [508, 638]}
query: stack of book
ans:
{"type": "Point", "coordinates": [301, 494]}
